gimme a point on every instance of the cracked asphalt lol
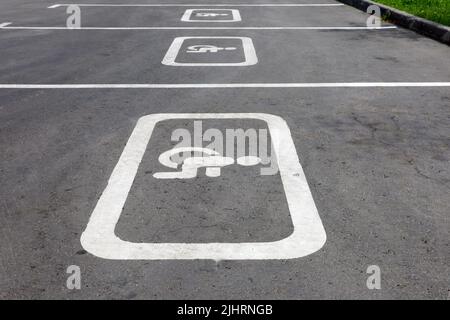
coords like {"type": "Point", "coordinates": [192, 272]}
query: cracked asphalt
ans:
{"type": "Point", "coordinates": [376, 159]}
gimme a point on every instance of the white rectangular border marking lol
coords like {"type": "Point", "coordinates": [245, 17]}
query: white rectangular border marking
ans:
{"type": "Point", "coordinates": [236, 16]}
{"type": "Point", "coordinates": [247, 45]}
{"type": "Point", "coordinates": [308, 236]}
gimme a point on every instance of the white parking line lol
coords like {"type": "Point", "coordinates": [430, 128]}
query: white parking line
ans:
{"type": "Point", "coordinates": [228, 85]}
{"type": "Point", "coordinates": [201, 5]}
{"type": "Point", "coordinates": [196, 28]}
{"type": "Point", "coordinates": [2, 25]}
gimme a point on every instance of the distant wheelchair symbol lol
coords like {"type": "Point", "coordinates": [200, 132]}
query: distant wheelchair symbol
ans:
{"type": "Point", "coordinates": [210, 14]}
{"type": "Point", "coordinates": [207, 49]}
{"type": "Point", "coordinates": [211, 160]}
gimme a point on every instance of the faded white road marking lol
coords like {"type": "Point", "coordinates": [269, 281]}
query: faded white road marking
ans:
{"type": "Point", "coordinates": [195, 28]}
{"type": "Point", "coordinates": [227, 85]}
{"type": "Point", "coordinates": [308, 236]}
{"type": "Point", "coordinates": [202, 5]}
{"type": "Point", "coordinates": [247, 45]}
{"type": "Point", "coordinates": [2, 25]}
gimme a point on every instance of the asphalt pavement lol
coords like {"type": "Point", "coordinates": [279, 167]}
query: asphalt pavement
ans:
{"type": "Point", "coordinates": [367, 111]}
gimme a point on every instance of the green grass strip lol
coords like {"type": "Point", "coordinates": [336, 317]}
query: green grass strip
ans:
{"type": "Point", "coordinates": [434, 10]}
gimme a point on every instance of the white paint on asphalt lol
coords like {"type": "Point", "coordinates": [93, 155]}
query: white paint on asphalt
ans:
{"type": "Point", "coordinates": [190, 14]}
{"type": "Point", "coordinates": [209, 159]}
{"type": "Point", "coordinates": [5, 24]}
{"type": "Point", "coordinates": [250, 57]}
{"type": "Point", "coordinates": [197, 28]}
{"type": "Point", "coordinates": [228, 85]}
{"type": "Point", "coordinates": [201, 5]}
{"type": "Point", "coordinates": [308, 236]}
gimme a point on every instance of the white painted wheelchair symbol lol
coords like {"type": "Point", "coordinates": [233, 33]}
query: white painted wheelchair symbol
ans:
{"type": "Point", "coordinates": [211, 160]}
{"type": "Point", "coordinates": [208, 49]}
{"type": "Point", "coordinates": [205, 14]}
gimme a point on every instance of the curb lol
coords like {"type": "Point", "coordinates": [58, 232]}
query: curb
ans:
{"type": "Point", "coordinates": [425, 27]}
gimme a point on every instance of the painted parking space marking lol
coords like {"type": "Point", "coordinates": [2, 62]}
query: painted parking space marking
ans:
{"type": "Point", "coordinates": [287, 85]}
{"type": "Point", "coordinates": [211, 51]}
{"type": "Point", "coordinates": [308, 236]}
{"type": "Point", "coordinates": [211, 15]}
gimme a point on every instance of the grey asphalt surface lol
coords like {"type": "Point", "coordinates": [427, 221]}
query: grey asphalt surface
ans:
{"type": "Point", "coordinates": [376, 159]}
